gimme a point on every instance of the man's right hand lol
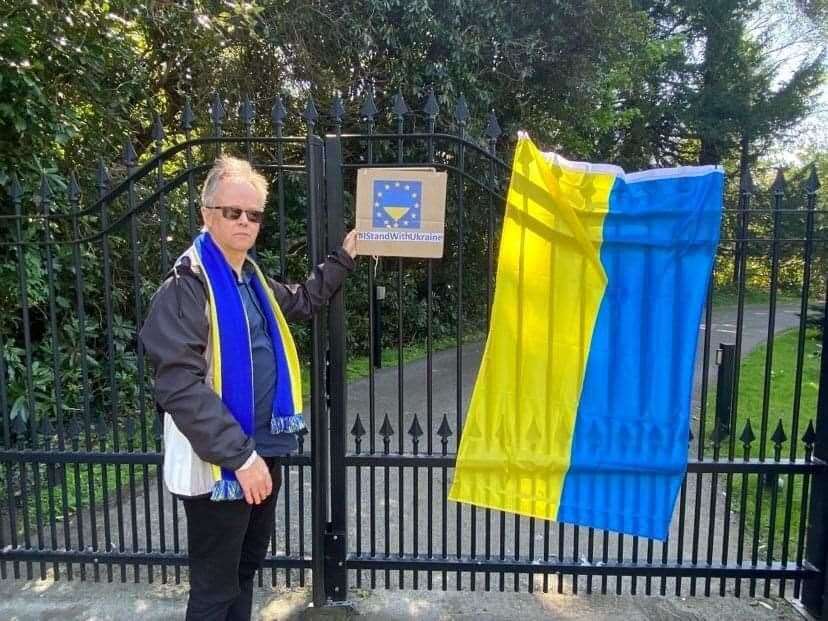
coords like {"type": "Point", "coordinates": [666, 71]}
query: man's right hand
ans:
{"type": "Point", "coordinates": [255, 482]}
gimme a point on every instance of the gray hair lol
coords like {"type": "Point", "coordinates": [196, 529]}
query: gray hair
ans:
{"type": "Point", "coordinates": [227, 167]}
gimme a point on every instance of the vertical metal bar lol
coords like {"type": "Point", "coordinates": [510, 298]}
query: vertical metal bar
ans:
{"type": "Point", "coordinates": [516, 575]}
{"type": "Point", "coordinates": [10, 499]}
{"type": "Point", "coordinates": [74, 197]}
{"type": "Point", "coordinates": [159, 487]}
{"type": "Point", "coordinates": [247, 112]}
{"type": "Point", "coordinates": [815, 589]}
{"type": "Point", "coordinates": [4, 571]}
{"type": "Point", "coordinates": [492, 133]}
{"type": "Point", "coordinates": [461, 163]}
{"type": "Point", "coordinates": [24, 496]}
{"type": "Point", "coordinates": [708, 319]}
{"type": "Point", "coordinates": [279, 114]}
{"type": "Point", "coordinates": [372, 499]}
{"type": "Point", "coordinates": [50, 494]}
{"type": "Point", "coordinates": [701, 436]}
{"type": "Point", "coordinates": [400, 383]}
{"type": "Point", "coordinates": [319, 416]}
{"type": "Point", "coordinates": [502, 551]}
{"type": "Point", "coordinates": [385, 430]}
{"type": "Point", "coordinates": [301, 502]}
{"type": "Point", "coordinates": [101, 431]}
{"type": "Point", "coordinates": [372, 359]}
{"type": "Point", "coordinates": [141, 376]}
{"type": "Point", "coordinates": [176, 538]}
{"type": "Point", "coordinates": [778, 189]}
{"type": "Point", "coordinates": [336, 369]}
{"type": "Point", "coordinates": [810, 203]}
{"type": "Point", "coordinates": [22, 278]}
{"type": "Point", "coordinates": [745, 191]}
{"type": "Point", "coordinates": [415, 488]}
{"type": "Point", "coordinates": [773, 508]}
{"type": "Point", "coordinates": [37, 494]}
{"type": "Point", "coordinates": [546, 531]}
{"type": "Point", "coordinates": [46, 201]}
{"type": "Point", "coordinates": [444, 521]}
{"type": "Point", "coordinates": [808, 438]}
{"type": "Point", "coordinates": [8, 466]}
{"type": "Point", "coordinates": [722, 426]}
{"type": "Point", "coordinates": [696, 525]}
{"type": "Point", "coordinates": [38, 513]}
{"type": "Point", "coordinates": [561, 553]}
{"type": "Point", "coordinates": [531, 576]}
{"type": "Point", "coordinates": [158, 137]}
{"type": "Point", "coordinates": [681, 524]}
{"type": "Point", "coordinates": [665, 548]}
{"type": "Point", "coordinates": [726, 528]}
{"type": "Point", "coordinates": [163, 217]}
{"type": "Point", "coordinates": [110, 363]}
{"type": "Point", "coordinates": [430, 361]}
{"type": "Point", "coordinates": [187, 118]}
{"type": "Point", "coordinates": [217, 119]}
{"type": "Point", "coordinates": [358, 485]}
{"type": "Point", "coordinates": [286, 521]}
{"type": "Point", "coordinates": [774, 277]}
{"type": "Point", "coordinates": [133, 504]}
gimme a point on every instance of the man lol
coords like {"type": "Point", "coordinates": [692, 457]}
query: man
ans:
{"type": "Point", "coordinates": [227, 378]}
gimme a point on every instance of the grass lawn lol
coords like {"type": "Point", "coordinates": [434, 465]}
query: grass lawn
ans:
{"type": "Point", "coordinates": [751, 388]}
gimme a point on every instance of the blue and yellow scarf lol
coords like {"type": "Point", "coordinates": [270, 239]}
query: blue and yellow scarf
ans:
{"type": "Point", "coordinates": [232, 361]}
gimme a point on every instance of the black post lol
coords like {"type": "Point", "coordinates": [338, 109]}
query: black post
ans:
{"type": "Point", "coordinates": [726, 360]}
{"type": "Point", "coordinates": [814, 589]}
{"type": "Point", "coordinates": [318, 411]}
{"type": "Point", "coordinates": [336, 571]}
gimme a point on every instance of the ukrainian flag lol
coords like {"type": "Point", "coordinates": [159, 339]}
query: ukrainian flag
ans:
{"type": "Point", "coordinates": [580, 412]}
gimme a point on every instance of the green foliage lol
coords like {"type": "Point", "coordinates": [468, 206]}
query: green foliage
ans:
{"type": "Point", "coordinates": [625, 82]}
{"type": "Point", "coordinates": [618, 81]}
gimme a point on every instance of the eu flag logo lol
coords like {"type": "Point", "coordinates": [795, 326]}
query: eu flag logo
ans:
{"type": "Point", "coordinates": [397, 204]}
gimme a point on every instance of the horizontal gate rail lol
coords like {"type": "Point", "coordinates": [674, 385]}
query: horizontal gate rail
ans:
{"type": "Point", "coordinates": [95, 457]}
{"type": "Point", "coordinates": [610, 568]}
{"type": "Point", "coordinates": [115, 557]}
{"type": "Point", "coordinates": [798, 466]}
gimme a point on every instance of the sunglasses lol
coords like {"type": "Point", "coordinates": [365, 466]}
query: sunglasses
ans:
{"type": "Point", "coordinates": [256, 216]}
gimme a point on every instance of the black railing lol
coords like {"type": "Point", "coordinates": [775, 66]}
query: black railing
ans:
{"type": "Point", "coordinates": [81, 454]}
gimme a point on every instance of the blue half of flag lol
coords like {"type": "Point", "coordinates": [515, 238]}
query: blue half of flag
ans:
{"type": "Point", "coordinates": [397, 204]}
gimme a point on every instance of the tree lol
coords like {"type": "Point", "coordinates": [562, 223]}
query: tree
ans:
{"type": "Point", "coordinates": [736, 104]}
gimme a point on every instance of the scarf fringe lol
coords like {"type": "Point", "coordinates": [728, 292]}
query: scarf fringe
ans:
{"type": "Point", "coordinates": [287, 424]}
{"type": "Point", "coordinates": [227, 490]}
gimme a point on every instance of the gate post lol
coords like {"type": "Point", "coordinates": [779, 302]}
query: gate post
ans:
{"type": "Point", "coordinates": [336, 570]}
{"type": "Point", "coordinates": [318, 411]}
{"type": "Point", "coordinates": [814, 590]}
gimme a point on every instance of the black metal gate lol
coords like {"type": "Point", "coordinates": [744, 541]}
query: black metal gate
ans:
{"type": "Point", "coordinates": [365, 499]}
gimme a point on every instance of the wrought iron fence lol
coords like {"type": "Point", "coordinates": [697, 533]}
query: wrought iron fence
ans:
{"type": "Point", "coordinates": [364, 501]}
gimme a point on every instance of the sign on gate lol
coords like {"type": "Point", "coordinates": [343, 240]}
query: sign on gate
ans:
{"type": "Point", "coordinates": [400, 212]}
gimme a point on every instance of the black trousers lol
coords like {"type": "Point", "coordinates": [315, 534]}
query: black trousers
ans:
{"type": "Point", "coordinates": [227, 543]}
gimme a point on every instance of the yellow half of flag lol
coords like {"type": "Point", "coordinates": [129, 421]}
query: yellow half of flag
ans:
{"type": "Point", "coordinates": [516, 440]}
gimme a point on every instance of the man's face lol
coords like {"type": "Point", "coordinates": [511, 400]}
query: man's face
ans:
{"type": "Point", "coordinates": [234, 235]}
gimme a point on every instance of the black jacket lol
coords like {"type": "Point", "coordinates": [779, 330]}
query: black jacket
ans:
{"type": "Point", "coordinates": [175, 333]}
